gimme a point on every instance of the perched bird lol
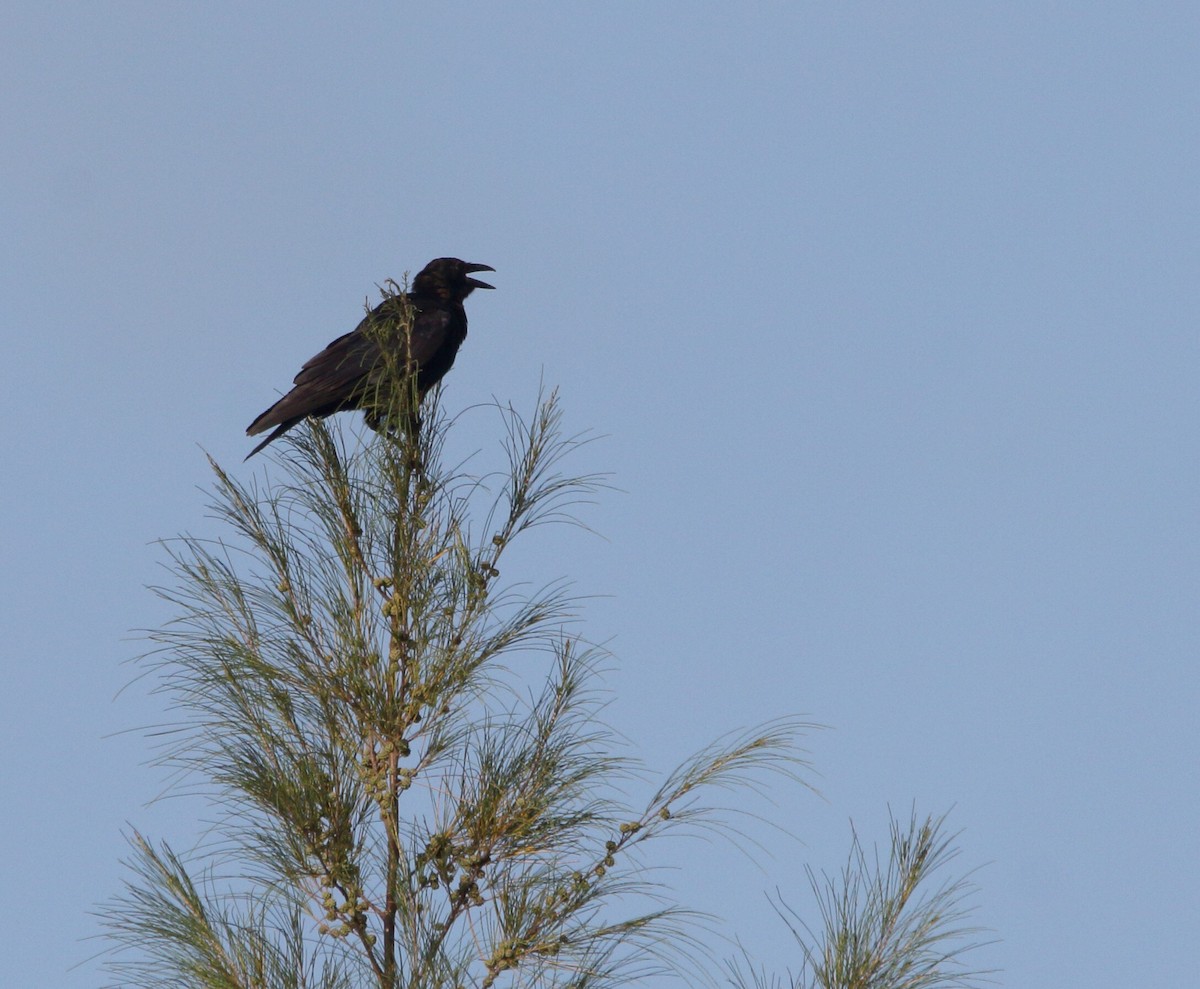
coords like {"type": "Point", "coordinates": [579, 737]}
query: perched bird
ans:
{"type": "Point", "coordinates": [347, 374]}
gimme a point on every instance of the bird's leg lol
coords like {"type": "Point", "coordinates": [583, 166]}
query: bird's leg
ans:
{"type": "Point", "coordinates": [407, 436]}
{"type": "Point", "coordinates": [412, 434]}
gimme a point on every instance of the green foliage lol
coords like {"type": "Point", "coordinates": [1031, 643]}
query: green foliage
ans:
{"type": "Point", "coordinates": [884, 925]}
{"type": "Point", "coordinates": [396, 804]}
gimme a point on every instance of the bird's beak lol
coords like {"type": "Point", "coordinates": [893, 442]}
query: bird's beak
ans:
{"type": "Point", "coordinates": [475, 282]}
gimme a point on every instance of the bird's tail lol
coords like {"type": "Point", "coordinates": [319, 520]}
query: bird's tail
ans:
{"type": "Point", "coordinates": [275, 434]}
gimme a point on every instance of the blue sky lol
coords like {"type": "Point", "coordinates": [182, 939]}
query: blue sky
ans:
{"type": "Point", "coordinates": [887, 316]}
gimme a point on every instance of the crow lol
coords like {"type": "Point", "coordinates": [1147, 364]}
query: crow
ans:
{"type": "Point", "coordinates": [349, 372]}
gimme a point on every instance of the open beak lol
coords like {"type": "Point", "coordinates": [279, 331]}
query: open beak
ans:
{"type": "Point", "coordinates": [475, 282]}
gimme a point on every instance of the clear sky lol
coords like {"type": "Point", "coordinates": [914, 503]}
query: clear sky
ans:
{"type": "Point", "coordinates": [887, 314]}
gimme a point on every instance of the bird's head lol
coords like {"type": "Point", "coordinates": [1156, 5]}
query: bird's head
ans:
{"type": "Point", "coordinates": [449, 279]}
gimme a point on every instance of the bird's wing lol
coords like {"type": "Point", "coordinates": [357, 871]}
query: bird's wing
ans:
{"type": "Point", "coordinates": [334, 379]}
{"type": "Point", "coordinates": [343, 361]}
{"type": "Point", "coordinates": [325, 382]}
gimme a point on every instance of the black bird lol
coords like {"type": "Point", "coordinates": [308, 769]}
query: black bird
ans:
{"type": "Point", "coordinates": [347, 373]}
